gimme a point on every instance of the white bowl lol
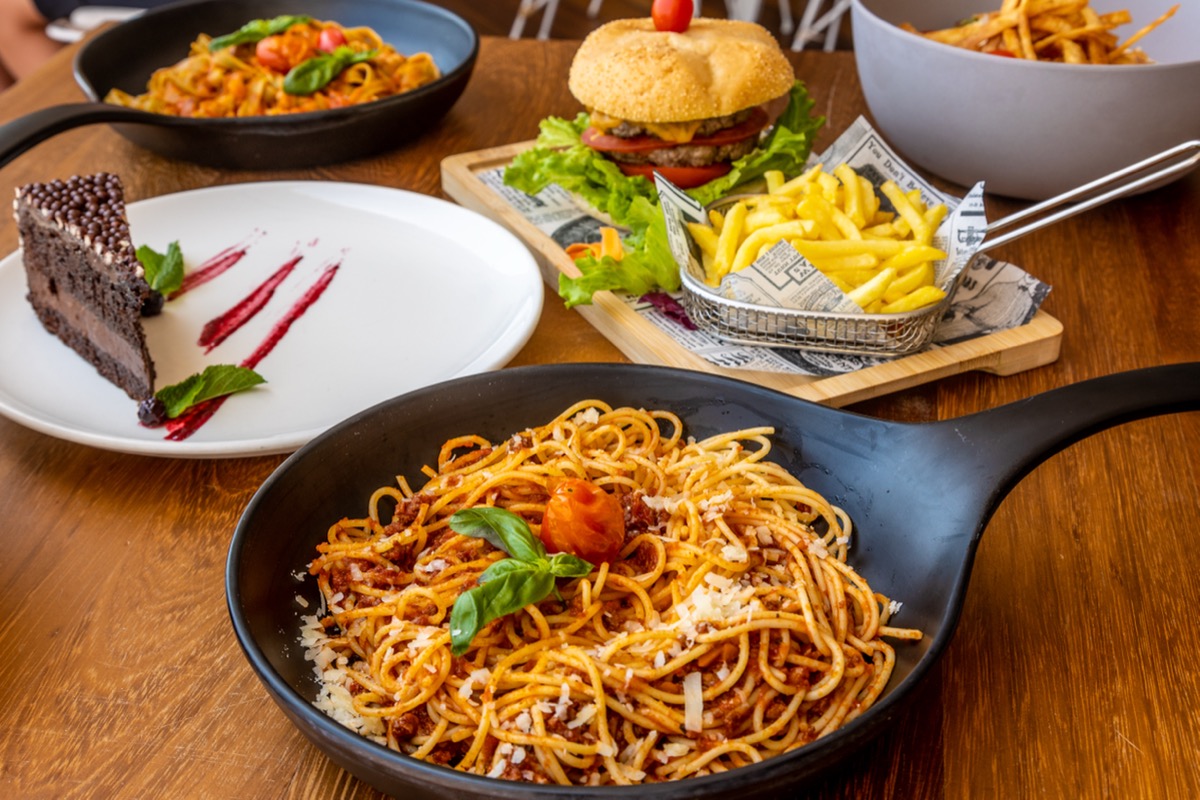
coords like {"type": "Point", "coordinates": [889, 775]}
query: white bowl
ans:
{"type": "Point", "coordinates": [1030, 130]}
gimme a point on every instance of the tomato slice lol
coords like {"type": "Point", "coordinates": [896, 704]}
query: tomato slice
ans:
{"type": "Point", "coordinates": [683, 177]}
{"type": "Point", "coordinates": [603, 142]}
{"type": "Point", "coordinates": [584, 520]}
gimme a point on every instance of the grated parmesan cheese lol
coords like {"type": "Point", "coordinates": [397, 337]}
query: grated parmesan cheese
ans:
{"type": "Point", "coordinates": [894, 607]}
{"type": "Point", "coordinates": [481, 676]}
{"type": "Point", "coordinates": [817, 548]}
{"type": "Point", "coordinates": [564, 701]}
{"type": "Point", "coordinates": [718, 581]}
{"type": "Point", "coordinates": [583, 717]}
{"type": "Point", "coordinates": [675, 749]}
{"type": "Point", "coordinates": [437, 565]}
{"type": "Point", "coordinates": [731, 552]}
{"type": "Point", "coordinates": [589, 416]}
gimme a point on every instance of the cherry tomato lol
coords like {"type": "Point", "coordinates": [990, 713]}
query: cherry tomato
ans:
{"type": "Point", "coordinates": [269, 52]}
{"type": "Point", "coordinates": [330, 39]}
{"type": "Point", "coordinates": [671, 15]}
{"type": "Point", "coordinates": [584, 520]}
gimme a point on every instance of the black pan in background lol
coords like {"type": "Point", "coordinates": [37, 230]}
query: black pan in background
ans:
{"type": "Point", "coordinates": [125, 56]}
{"type": "Point", "coordinates": [919, 495]}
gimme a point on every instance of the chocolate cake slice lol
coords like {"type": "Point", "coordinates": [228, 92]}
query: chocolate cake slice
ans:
{"type": "Point", "coordinates": [85, 282]}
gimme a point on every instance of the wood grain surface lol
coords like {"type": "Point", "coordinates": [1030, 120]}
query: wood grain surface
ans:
{"type": "Point", "coordinates": [1072, 673]}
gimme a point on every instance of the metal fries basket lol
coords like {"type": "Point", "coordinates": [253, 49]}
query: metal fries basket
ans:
{"type": "Point", "coordinates": [908, 332]}
{"type": "Point", "coordinates": [859, 334]}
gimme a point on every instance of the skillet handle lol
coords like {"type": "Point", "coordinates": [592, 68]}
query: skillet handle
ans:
{"type": "Point", "coordinates": [1011, 440]}
{"type": "Point", "coordinates": [24, 132]}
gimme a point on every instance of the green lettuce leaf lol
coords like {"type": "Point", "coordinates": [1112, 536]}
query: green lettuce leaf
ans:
{"type": "Point", "coordinates": [559, 156]}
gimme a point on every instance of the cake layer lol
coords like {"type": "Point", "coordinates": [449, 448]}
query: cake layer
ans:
{"type": "Point", "coordinates": [85, 283]}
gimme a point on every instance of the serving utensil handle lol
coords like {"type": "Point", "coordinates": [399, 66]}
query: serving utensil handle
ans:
{"type": "Point", "coordinates": [1008, 442]}
{"type": "Point", "coordinates": [1173, 161]}
{"type": "Point", "coordinates": [24, 132]}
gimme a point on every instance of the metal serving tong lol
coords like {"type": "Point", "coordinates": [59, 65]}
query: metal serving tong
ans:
{"type": "Point", "coordinates": [1167, 164]}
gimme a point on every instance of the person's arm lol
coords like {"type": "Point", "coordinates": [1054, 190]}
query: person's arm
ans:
{"type": "Point", "coordinates": [24, 44]}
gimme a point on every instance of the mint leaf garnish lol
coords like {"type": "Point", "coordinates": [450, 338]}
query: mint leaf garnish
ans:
{"type": "Point", "coordinates": [216, 380]}
{"type": "Point", "coordinates": [164, 271]}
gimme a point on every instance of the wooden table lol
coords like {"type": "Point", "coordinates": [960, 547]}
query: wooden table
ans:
{"type": "Point", "coordinates": [1073, 673]}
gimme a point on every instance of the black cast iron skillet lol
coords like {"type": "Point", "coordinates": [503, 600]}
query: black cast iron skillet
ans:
{"type": "Point", "coordinates": [919, 495]}
{"type": "Point", "coordinates": [125, 56]}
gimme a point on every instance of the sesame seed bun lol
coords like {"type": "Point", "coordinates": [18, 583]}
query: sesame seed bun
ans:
{"type": "Point", "coordinates": [627, 69]}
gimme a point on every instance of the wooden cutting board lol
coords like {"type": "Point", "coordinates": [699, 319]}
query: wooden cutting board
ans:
{"type": "Point", "coordinates": [1003, 353]}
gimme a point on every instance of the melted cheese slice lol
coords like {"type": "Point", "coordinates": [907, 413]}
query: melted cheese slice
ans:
{"type": "Point", "coordinates": [674, 132]}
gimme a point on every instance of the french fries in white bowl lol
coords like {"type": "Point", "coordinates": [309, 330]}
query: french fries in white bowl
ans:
{"type": "Point", "coordinates": [1029, 128]}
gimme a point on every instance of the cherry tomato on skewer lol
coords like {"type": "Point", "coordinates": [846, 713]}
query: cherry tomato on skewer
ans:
{"type": "Point", "coordinates": [671, 15]}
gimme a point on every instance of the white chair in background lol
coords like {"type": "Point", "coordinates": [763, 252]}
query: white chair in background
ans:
{"type": "Point", "coordinates": [527, 9]}
{"type": "Point", "coordinates": [73, 28]}
{"type": "Point", "coordinates": [811, 26]}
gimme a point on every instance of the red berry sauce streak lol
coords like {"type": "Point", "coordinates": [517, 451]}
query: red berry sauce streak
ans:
{"type": "Point", "coordinates": [190, 421]}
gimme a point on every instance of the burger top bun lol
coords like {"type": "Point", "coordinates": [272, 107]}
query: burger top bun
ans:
{"type": "Point", "coordinates": [627, 69]}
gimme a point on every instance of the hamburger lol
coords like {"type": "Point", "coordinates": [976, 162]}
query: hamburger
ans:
{"type": "Point", "coordinates": [695, 106]}
{"type": "Point", "coordinates": [686, 105]}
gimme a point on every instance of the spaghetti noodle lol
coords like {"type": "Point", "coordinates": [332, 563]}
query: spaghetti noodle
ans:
{"type": "Point", "coordinates": [245, 80]}
{"type": "Point", "coordinates": [729, 630]}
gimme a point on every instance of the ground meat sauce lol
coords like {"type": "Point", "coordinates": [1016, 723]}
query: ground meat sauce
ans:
{"type": "Point", "coordinates": [639, 517]}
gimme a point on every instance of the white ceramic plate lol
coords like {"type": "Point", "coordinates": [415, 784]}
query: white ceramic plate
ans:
{"type": "Point", "coordinates": [426, 291]}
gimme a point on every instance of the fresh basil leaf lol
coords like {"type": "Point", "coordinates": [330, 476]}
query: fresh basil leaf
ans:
{"type": "Point", "coordinates": [504, 566]}
{"type": "Point", "coordinates": [164, 271]}
{"type": "Point", "coordinates": [216, 380]}
{"type": "Point", "coordinates": [503, 529]}
{"type": "Point", "coordinates": [315, 73]}
{"type": "Point", "coordinates": [509, 592]}
{"type": "Point", "coordinates": [256, 30]}
{"type": "Point", "coordinates": [565, 565]}
{"type": "Point", "coordinates": [466, 619]}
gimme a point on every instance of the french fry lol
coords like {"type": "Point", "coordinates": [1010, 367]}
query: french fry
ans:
{"type": "Point", "coordinates": [836, 222]}
{"type": "Point", "coordinates": [1049, 30]}
{"type": "Point", "coordinates": [907, 211]}
{"type": "Point", "coordinates": [748, 250]}
{"type": "Point", "coordinates": [918, 298]}
{"type": "Point", "coordinates": [912, 256]}
{"type": "Point", "coordinates": [727, 242]}
{"type": "Point", "coordinates": [705, 237]}
{"type": "Point", "coordinates": [873, 289]}
{"type": "Point", "coordinates": [914, 278]}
